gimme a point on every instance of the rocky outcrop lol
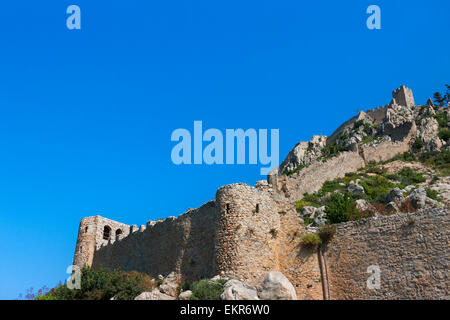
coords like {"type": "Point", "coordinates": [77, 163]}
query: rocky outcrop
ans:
{"type": "Point", "coordinates": [303, 154]}
{"type": "Point", "coordinates": [349, 125]}
{"type": "Point", "coordinates": [236, 290]}
{"type": "Point", "coordinates": [169, 285]}
{"type": "Point", "coordinates": [428, 133]}
{"type": "Point", "coordinates": [185, 295]}
{"type": "Point", "coordinates": [419, 199]}
{"type": "Point", "coordinates": [277, 287]}
{"type": "Point", "coordinates": [154, 295]}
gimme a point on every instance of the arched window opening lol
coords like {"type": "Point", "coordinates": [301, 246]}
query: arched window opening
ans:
{"type": "Point", "coordinates": [257, 207]}
{"type": "Point", "coordinates": [106, 233]}
{"type": "Point", "coordinates": [118, 232]}
{"type": "Point", "coordinates": [86, 229]}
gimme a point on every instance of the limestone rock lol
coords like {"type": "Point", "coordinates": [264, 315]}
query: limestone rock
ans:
{"type": "Point", "coordinates": [169, 285]}
{"type": "Point", "coordinates": [396, 195]}
{"type": "Point", "coordinates": [396, 115]}
{"type": "Point", "coordinates": [317, 214]}
{"type": "Point", "coordinates": [303, 154]}
{"type": "Point", "coordinates": [392, 207]}
{"type": "Point", "coordinates": [355, 189]}
{"type": "Point", "coordinates": [236, 290]}
{"type": "Point", "coordinates": [153, 295]}
{"type": "Point", "coordinates": [277, 287]}
{"type": "Point", "coordinates": [420, 200]}
{"type": "Point", "coordinates": [428, 132]}
{"type": "Point", "coordinates": [185, 295]}
{"type": "Point", "coordinates": [364, 206]}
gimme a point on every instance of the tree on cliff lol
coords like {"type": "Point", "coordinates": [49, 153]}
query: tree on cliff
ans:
{"type": "Point", "coordinates": [438, 99]}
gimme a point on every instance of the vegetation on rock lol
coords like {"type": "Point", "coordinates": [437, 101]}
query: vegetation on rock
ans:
{"type": "Point", "coordinates": [207, 290]}
{"type": "Point", "coordinates": [103, 284]}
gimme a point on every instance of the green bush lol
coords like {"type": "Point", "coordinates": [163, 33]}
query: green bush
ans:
{"type": "Point", "coordinates": [310, 241]}
{"type": "Point", "coordinates": [444, 134]}
{"type": "Point", "coordinates": [339, 206]}
{"type": "Point", "coordinates": [439, 161]}
{"type": "Point", "coordinates": [308, 200]}
{"type": "Point", "coordinates": [376, 188]}
{"type": "Point", "coordinates": [207, 290]}
{"type": "Point", "coordinates": [333, 150]}
{"type": "Point", "coordinates": [442, 119]}
{"type": "Point", "coordinates": [331, 186]}
{"type": "Point", "coordinates": [405, 156]}
{"type": "Point", "coordinates": [418, 144]}
{"type": "Point", "coordinates": [433, 194]}
{"type": "Point", "coordinates": [294, 171]}
{"type": "Point", "coordinates": [103, 284]}
{"type": "Point", "coordinates": [407, 176]}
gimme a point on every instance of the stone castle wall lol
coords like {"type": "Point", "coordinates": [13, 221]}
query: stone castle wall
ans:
{"type": "Point", "coordinates": [411, 251]}
{"type": "Point", "coordinates": [185, 245]}
{"type": "Point", "coordinates": [247, 231]}
{"type": "Point", "coordinates": [244, 232]}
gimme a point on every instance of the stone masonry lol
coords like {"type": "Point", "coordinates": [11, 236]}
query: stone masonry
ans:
{"type": "Point", "coordinates": [411, 251]}
{"type": "Point", "coordinates": [246, 231]}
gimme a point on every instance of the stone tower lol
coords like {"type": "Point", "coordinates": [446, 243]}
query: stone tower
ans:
{"type": "Point", "coordinates": [93, 233]}
{"type": "Point", "coordinates": [403, 96]}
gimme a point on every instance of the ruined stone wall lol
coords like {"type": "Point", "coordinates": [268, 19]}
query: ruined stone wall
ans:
{"type": "Point", "coordinates": [185, 244]}
{"type": "Point", "coordinates": [311, 179]}
{"type": "Point", "coordinates": [377, 114]}
{"type": "Point", "coordinates": [403, 96]}
{"type": "Point", "coordinates": [411, 250]}
{"type": "Point", "coordinates": [245, 232]}
{"type": "Point", "coordinates": [387, 149]}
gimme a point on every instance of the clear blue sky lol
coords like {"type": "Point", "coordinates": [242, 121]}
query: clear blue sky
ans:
{"type": "Point", "coordinates": [86, 116]}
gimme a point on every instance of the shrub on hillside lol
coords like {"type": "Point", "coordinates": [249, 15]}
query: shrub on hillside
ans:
{"type": "Point", "coordinates": [433, 194]}
{"type": "Point", "coordinates": [339, 206]}
{"type": "Point", "coordinates": [310, 241]}
{"type": "Point", "coordinates": [418, 144]}
{"type": "Point", "coordinates": [103, 284]}
{"type": "Point", "coordinates": [207, 290]}
{"type": "Point", "coordinates": [444, 134]}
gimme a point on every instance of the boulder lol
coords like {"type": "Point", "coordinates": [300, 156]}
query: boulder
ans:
{"type": "Point", "coordinates": [153, 295]}
{"type": "Point", "coordinates": [308, 211]}
{"type": "Point", "coordinates": [185, 295]}
{"type": "Point", "coordinates": [169, 285]}
{"type": "Point", "coordinates": [277, 287]}
{"type": "Point", "coordinates": [355, 189]}
{"type": "Point", "coordinates": [418, 198]}
{"type": "Point", "coordinates": [364, 206]}
{"type": "Point", "coordinates": [392, 207]}
{"type": "Point", "coordinates": [396, 195]}
{"type": "Point", "coordinates": [236, 290]}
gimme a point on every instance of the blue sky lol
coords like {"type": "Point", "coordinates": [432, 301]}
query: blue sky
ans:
{"type": "Point", "coordinates": [86, 115]}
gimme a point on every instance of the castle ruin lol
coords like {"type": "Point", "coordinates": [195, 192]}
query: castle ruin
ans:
{"type": "Point", "coordinates": [246, 231]}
